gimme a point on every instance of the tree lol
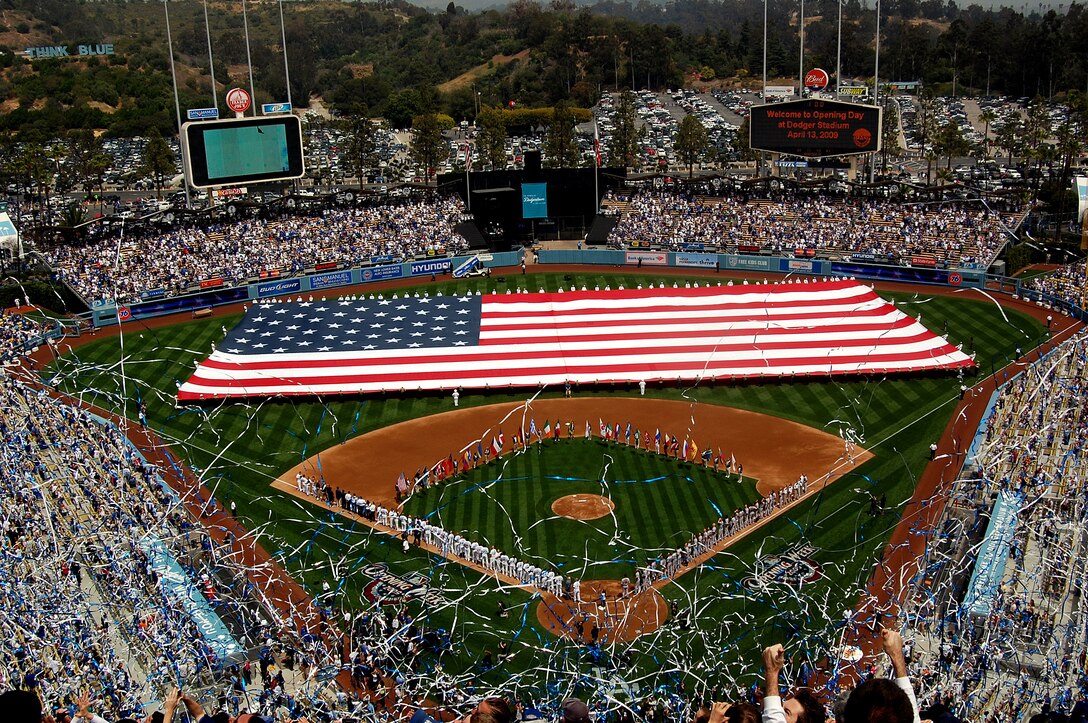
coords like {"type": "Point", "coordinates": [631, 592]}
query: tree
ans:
{"type": "Point", "coordinates": [950, 141]}
{"type": "Point", "coordinates": [491, 138]}
{"type": "Point", "coordinates": [88, 160]}
{"type": "Point", "coordinates": [560, 148]}
{"type": "Point", "coordinates": [890, 135]}
{"type": "Point", "coordinates": [1008, 137]}
{"type": "Point", "coordinates": [691, 142]}
{"type": "Point", "coordinates": [927, 126]}
{"type": "Point", "coordinates": [361, 145]}
{"type": "Point", "coordinates": [988, 117]}
{"type": "Point", "coordinates": [428, 147]}
{"type": "Point", "coordinates": [157, 161]}
{"type": "Point", "coordinates": [623, 145]}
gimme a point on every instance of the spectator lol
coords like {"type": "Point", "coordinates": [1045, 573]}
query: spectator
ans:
{"type": "Point", "coordinates": [801, 707]}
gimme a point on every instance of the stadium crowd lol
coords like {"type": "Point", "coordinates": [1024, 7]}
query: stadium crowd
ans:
{"type": "Point", "coordinates": [172, 262]}
{"type": "Point", "coordinates": [1020, 632]}
{"type": "Point", "coordinates": [953, 233]}
{"type": "Point", "coordinates": [19, 334]}
{"type": "Point", "coordinates": [1066, 283]}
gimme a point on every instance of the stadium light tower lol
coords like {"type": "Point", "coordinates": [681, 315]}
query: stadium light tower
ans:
{"type": "Point", "coordinates": [838, 51]}
{"type": "Point", "coordinates": [801, 61]}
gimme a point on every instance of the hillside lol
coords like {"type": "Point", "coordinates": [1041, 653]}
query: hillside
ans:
{"type": "Point", "coordinates": [395, 59]}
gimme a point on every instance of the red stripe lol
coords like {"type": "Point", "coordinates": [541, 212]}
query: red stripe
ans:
{"type": "Point", "coordinates": [528, 356]}
{"type": "Point", "coordinates": [773, 366]}
{"type": "Point", "coordinates": [693, 320]}
{"type": "Point", "coordinates": [499, 371]}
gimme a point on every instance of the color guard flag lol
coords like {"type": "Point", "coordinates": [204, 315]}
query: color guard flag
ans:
{"type": "Point", "coordinates": [444, 342]}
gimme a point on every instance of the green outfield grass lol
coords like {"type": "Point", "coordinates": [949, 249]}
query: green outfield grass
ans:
{"type": "Point", "coordinates": [239, 448]}
{"type": "Point", "coordinates": [660, 504]}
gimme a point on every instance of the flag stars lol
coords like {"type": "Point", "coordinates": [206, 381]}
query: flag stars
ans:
{"type": "Point", "coordinates": [419, 323]}
{"type": "Point", "coordinates": [293, 327]}
{"type": "Point", "coordinates": [373, 336]}
{"type": "Point", "coordinates": [402, 307]}
{"type": "Point", "coordinates": [442, 306]}
{"type": "Point", "coordinates": [340, 313]}
{"type": "Point", "coordinates": [384, 302]}
{"type": "Point", "coordinates": [335, 326]}
{"type": "Point", "coordinates": [307, 332]}
{"type": "Point", "coordinates": [286, 338]}
{"type": "Point", "coordinates": [304, 343]}
{"type": "Point", "coordinates": [266, 333]}
{"type": "Point", "coordinates": [414, 345]}
{"type": "Point", "coordinates": [324, 348]}
{"type": "Point", "coordinates": [381, 314]}
{"type": "Point", "coordinates": [281, 311]}
{"type": "Point", "coordinates": [276, 322]}
{"type": "Point", "coordinates": [329, 337]}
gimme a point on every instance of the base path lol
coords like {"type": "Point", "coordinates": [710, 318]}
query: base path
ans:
{"type": "Point", "coordinates": [369, 464]}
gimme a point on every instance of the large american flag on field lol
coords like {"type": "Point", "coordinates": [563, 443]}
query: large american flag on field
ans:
{"type": "Point", "coordinates": [530, 339]}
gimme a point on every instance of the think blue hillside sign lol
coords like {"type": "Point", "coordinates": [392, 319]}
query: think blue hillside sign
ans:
{"type": "Point", "coordinates": [66, 51]}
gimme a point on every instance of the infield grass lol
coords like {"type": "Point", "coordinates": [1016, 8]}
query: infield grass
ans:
{"type": "Point", "coordinates": [659, 502]}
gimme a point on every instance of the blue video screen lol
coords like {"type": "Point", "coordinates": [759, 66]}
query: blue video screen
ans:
{"type": "Point", "coordinates": [534, 200]}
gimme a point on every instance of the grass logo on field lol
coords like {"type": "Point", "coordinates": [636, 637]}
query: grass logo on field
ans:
{"type": "Point", "coordinates": [387, 588]}
{"type": "Point", "coordinates": [793, 569]}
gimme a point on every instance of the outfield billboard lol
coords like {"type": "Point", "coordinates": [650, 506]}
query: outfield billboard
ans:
{"type": "Point", "coordinates": [815, 128]}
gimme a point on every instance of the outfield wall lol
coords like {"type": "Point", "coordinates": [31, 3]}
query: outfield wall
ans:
{"type": "Point", "coordinates": [323, 283]}
{"type": "Point", "coordinates": [107, 314]}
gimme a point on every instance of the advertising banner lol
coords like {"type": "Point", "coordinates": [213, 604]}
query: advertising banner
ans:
{"type": "Point", "coordinates": [272, 288]}
{"type": "Point", "coordinates": [702, 261]}
{"type": "Point", "coordinates": [180, 586]}
{"type": "Point", "coordinates": [380, 273]}
{"type": "Point", "coordinates": [749, 263]}
{"type": "Point", "coordinates": [438, 266]}
{"type": "Point", "coordinates": [325, 281]}
{"type": "Point", "coordinates": [646, 258]}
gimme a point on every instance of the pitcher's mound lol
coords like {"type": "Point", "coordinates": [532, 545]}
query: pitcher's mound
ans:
{"type": "Point", "coordinates": [620, 618]}
{"type": "Point", "coordinates": [583, 506]}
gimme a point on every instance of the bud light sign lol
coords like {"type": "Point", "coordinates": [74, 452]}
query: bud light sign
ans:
{"type": "Point", "coordinates": [279, 287]}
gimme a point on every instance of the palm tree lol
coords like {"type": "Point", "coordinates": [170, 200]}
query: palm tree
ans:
{"type": "Point", "coordinates": [987, 116]}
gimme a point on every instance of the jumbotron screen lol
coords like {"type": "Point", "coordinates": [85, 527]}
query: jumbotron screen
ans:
{"type": "Point", "coordinates": [815, 128]}
{"type": "Point", "coordinates": [242, 150]}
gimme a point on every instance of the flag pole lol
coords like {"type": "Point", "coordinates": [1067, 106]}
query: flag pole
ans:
{"type": "Point", "coordinates": [596, 168]}
{"type": "Point", "coordinates": [468, 166]}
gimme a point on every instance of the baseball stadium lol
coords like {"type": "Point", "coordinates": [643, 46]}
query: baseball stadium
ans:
{"type": "Point", "coordinates": [644, 468]}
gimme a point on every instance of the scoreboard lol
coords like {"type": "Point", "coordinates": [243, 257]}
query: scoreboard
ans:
{"type": "Point", "coordinates": [815, 128]}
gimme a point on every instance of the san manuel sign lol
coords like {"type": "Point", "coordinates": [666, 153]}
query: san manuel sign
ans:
{"type": "Point", "coordinates": [63, 51]}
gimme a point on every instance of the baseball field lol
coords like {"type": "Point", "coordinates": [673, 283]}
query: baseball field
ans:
{"type": "Point", "coordinates": [861, 438]}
